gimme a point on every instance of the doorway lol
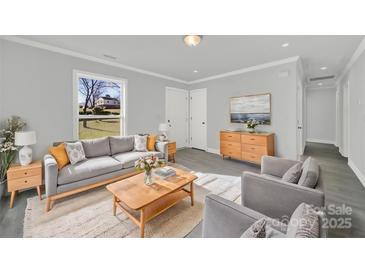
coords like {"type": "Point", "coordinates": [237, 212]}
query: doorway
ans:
{"type": "Point", "coordinates": [198, 118]}
{"type": "Point", "coordinates": [177, 113]}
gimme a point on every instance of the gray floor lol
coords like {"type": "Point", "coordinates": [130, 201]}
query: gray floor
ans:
{"type": "Point", "coordinates": [341, 187]}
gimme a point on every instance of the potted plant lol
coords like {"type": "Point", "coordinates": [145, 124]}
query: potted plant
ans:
{"type": "Point", "coordinates": [251, 125]}
{"type": "Point", "coordinates": [8, 148]}
{"type": "Point", "coordinates": [146, 164]}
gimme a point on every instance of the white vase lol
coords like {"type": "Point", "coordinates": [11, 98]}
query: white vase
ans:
{"type": "Point", "coordinates": [148, 178]}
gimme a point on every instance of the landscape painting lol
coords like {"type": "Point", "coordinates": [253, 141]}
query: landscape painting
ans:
{"type": "Point", "coordinates": [251, 107]}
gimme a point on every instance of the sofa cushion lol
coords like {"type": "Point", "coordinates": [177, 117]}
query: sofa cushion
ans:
{"type": "Point", "coordinates": [128, 159]}
{"type": "Point", "coordinates": [310, 173]}
{"type": "Point", "coordinates": [88, 169]}
{"type": "Point", "coordinates": [304, 223]}
{"type": "Point", "coordinates": [119, 144]}
{"type": "Point", "coordinates": [96, 147]}
{"type": "Point", "coordinates": [293, 174]}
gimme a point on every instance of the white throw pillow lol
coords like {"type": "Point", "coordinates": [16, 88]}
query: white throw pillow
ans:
{"type": "Point", "coordinates": [75, 152]}
{"type": "Point", "coordinates": [140, 143]}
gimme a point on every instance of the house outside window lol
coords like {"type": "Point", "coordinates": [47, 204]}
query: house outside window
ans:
{"type": "Point", "coordinates": [100, 106]}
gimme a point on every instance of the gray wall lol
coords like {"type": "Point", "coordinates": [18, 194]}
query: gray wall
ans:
{"type": "Point", "coordinates": [283, 91]}
{"type": "Point", "coordinates": [321, 114]}
{"type": "Point", "coordinates": [357, 114]}
{"type": "Point", "coordinates": [37, 85]}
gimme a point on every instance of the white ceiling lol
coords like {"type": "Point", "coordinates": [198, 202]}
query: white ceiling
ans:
{"type": "Point", "coordinates": [217, 54]}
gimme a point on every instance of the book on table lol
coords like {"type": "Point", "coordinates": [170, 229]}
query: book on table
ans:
{"type": "Point", "coordinates": [165, 172]}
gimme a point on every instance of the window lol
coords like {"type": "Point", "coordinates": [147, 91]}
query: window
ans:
{"type": "Point", "coordinates": [100, 106]}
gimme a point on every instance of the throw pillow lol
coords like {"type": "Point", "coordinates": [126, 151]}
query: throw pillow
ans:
{"type": "Point", "coordinates": [256, 230]}
{"type": "Point", "coordinates": [140, 143]}
{"type": "Point", "coordinates": [310, 173]}
{"type": "Point", "coordinates": [304, 223]}
{"type": "Point", "coordinates": [293, 174]}
{"type": "Point", "coordinates": [151, 140]}
{"type": "Point", "coordinates": [60, 155]}
{"type": "Point", "coordinates": [75, 152]}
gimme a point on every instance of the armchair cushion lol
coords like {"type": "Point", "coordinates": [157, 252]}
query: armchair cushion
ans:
{"type": "Point", "coordinates": [293, 174]}
{"type": "Point", "coordinates": [310, 173]}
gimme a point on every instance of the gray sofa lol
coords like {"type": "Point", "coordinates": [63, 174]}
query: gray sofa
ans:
{"type": "Point", "coordinates": [226, 219]}
{"type": "Point", "coordinates": [107, 158]}
{"type": "Point", "coordinates": [268, 194]}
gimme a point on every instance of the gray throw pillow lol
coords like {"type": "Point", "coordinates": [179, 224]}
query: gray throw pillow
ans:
{"type": "Point", "coordinates": [120, 144]}
{"type": "Point", "coordinates": [310, 173]}
{"type": "Point", "coordinates": [96, 147]}
{"type": "Point", "coordinates": [140, 143]}
{"type": "Point", "coordinates": [304, 223]}
{"type": "Point", "coordinates": [256, 230]}
{"type": "Point", "coordinates": [75, 152]}
{"type": "Point", "coordinates": [293, 174]}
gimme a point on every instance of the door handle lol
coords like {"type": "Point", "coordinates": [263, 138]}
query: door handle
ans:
{"type": "Point", "coordinates": [203, 123]}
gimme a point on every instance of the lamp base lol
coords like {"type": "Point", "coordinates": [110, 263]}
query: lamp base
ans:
{"type": "Point", "coordinates": [25, 156]}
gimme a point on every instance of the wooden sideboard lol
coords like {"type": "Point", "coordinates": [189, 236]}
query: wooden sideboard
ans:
{"type": "Point", "coordinates": [246, 146]}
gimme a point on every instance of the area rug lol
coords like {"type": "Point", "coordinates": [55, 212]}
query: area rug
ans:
{"type": "Point", "coordinates": [90, 215]}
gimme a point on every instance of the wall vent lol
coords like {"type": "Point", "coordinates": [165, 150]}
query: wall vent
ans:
{"type": "Point", "coordinates": [322, 78]}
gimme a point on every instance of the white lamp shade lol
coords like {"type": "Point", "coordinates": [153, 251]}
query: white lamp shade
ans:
{"type": "Point", "coordinates": [163, 127]}
{"type": "Point", "coordinates": [25, 138]}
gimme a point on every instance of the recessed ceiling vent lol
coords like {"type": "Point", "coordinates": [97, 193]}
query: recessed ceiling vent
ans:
{"type": "Point", "coordinates": [321, 78]}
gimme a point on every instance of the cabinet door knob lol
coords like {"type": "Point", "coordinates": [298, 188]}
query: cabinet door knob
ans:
{"type": "Point", "coordinates": [25, 181]}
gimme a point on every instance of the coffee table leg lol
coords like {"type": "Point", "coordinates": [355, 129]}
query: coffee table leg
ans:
{"type": "Point", "coordinates": [192, 193]}
{"type": "Point", "coordinates": [114, 205]}
{"type": "Point", "coordinates": [142, 221]}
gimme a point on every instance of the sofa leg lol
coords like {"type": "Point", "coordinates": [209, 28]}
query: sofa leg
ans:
{"type": "Point", "coordinates": [49, 204]}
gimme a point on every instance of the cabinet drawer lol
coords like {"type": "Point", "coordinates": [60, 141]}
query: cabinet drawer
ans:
{"type": "Point", "coordinates": [230, 136]}
{"type": "Point", "coordinates": [171, 148]}
{"type": "Point", "coordinates": [231, 153]}
{"type": "Point", "coordinates": [251, 157]}
{"type": "Point", "coordinates": [231, 145]}
{"type": "Point", "coordinates": [254, 149]}
{"type": "Point", "coordinates": [22, 183]}
{"type": "Point", "coordinates": [254, 140]}
{"type": "Point", "coordinates": [17, 174]}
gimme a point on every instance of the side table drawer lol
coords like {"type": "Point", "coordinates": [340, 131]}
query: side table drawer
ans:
{"type": "Point", "coordinates": [171, 148]}
{"type": "Point", "coordinates": [18, 174]}
{"type": "Point", "coordinates": [25, 182]}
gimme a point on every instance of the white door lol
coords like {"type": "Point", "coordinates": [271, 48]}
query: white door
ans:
{"type": "Point", "coordinates": [177, 115]}
{"type": "Point", "coordinates": [300, 136]}
{"type": "Point", "coordinates": [198, 118]}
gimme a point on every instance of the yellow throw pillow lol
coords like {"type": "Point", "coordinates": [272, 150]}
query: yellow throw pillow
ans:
{"type": "Point", "coordinates": [59, 153]}
{"type": "Point", "coordinates": [151, 140]}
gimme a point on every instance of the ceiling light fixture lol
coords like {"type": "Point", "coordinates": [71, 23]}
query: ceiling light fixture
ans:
{"type": "Point", "coordinates": [285, 45]}
{"type": "Point", "coordinates": [196, 71]}
{"type": "Point", "coordinates": [192, 40]}
{"type": "Point", "coordinates": [323, 68]}
{"type": "Point", "coordinates": [320, 84]}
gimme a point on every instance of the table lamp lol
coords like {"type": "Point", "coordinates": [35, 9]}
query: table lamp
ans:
{"type": "Point", "coordinates": [25, 139]}
{"type": "Point", "coordinates": [163, 128]}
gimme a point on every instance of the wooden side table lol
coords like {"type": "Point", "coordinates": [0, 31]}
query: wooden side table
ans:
{"type": "Point", "coordinates": [171, 151]}
{"type": "Point", "coordinates": [24, 177]}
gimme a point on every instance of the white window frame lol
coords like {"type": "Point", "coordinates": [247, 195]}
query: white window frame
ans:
{"type": "Point", "coordinates": [123, 98]}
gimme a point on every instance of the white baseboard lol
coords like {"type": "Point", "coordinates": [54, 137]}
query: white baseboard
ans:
{"type": "Point", "coordinates": [213, 150]}
{"type": "Point", "coordinates": [357, 172]}
{"type": "Point", "coordinates": [313, 140]}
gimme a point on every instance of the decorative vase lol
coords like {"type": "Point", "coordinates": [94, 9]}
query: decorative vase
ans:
{"type": "Point", "coordinates": [148, 178]}
{"type": "Point", "coordinates": [2, 188]}
{"type": "Point", "coordinates": [251, 130]}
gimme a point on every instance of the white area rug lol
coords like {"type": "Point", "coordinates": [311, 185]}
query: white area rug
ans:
{"type": "Point", "coordinates": [90, 215]}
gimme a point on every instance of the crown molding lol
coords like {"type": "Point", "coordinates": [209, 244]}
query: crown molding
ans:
{"type": "Point", "coordinates": [248, 69]}
{"type": "Point", "coordinates": [360, 49]}
{"type": "Point", "coordinates": [35, 44]}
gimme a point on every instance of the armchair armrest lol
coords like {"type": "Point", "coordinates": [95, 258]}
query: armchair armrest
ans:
{"type": "Point", "coordinates": [163, 147]}
{"type": "Point", "coordinates": [276, 166]}
{"type": "Point", "coordinates": [50, 174]}
{"type": "Point", "coordinates": [274, 197]}
{"type": "Point", "coordinates": [226, 219]}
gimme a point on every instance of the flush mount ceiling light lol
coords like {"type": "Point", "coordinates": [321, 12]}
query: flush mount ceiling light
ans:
{"type": "Point", "coordinates": [192, 40]}
{"type": "Point", "coordinates": [196, 71]}
{"type": "Point", "coordinates": [323, 68]}
{"type": "Point", "coordinates": [320, 84]}
{"type": "Point", "coordinates": [285, 45]}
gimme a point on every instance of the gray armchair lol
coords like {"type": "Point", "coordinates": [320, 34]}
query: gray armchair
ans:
{"type": "Point", "coordinates": [268, 194]}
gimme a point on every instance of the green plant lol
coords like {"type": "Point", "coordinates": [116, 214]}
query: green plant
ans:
{"type": "Point", "coordinates": [252, 124]}
{"type": "Point", "coordinates": [148, 163]}
{"type": "Point", "coordinates": [7, 144]}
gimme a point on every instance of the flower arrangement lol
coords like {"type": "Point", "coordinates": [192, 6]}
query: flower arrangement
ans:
{"type": "Point", "coordinates": [7, 144]}
{"type": "Point", "coordinates": [252, 124]}
{"type": "Point", "coordinates": [146, 164]}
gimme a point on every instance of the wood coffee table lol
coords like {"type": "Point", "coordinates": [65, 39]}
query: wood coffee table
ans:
{"type": "Point", "coordinates": [142, 203]}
